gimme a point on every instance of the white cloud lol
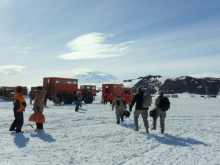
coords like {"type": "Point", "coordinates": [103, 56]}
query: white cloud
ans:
{"type": "Point", "coordinates": [11, 69]}
{"type": "Point", "coordinates": [22, 50]}
{"type": "Point", "coordinates": [91, 46]}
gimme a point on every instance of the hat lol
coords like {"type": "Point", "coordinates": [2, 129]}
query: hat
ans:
{"type": "Point", "coordinates": [139, 89]}
{"type": "Point", "coordinates": [118, 96]}
{"type": "Point", "coordinates": [19, 89]}
{"type": "Point", "coordinates": [161, 93]}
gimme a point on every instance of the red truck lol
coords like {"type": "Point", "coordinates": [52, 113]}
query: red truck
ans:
{"type": "Point", "coordinates": [112, 88]}
{"type": "Point", "coordinates": [65, 88]}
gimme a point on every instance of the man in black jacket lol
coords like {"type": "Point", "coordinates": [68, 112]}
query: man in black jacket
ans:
{"type": "Point", "coordinates": [139, 110]}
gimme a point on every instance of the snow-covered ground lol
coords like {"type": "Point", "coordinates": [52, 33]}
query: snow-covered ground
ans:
{"type": "Point", "coordinates": [92, 137]}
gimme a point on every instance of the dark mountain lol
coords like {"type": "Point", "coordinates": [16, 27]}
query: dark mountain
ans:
{"type": "Point", "coordinates": [184, 84]}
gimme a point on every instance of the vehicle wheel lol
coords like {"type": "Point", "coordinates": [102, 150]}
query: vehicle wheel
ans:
{"type": "Point", "coordinates": [88, 99]}
{"type": "Point", "coordinates": [64, 98]}
{"type": "Point", "coordinates": [70, 98]}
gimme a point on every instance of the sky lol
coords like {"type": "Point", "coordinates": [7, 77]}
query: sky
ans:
{"type": "Point", "coordinates": [125, 38]}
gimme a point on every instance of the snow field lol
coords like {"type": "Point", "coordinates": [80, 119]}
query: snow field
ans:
{"type": "Point", "coordinates": [91, 136]}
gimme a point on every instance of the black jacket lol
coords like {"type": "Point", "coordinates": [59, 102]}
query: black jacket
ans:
{"type": "Point", "coordinates": [138, 99]}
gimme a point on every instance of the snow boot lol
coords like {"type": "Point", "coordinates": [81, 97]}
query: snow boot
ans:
{"type": "Point", "coordinates": [147, 131]}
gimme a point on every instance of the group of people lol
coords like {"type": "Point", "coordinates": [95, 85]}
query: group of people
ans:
{"type": "Point", "coordinates": [142, 101]}
{"type": "Point", "coordinates": [111, 97]}
{"type": "Point", "coordinates": [19, 108]}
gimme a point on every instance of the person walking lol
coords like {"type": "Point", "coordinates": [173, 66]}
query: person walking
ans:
{"type": "Point", "coordinates": [19, 107]}
{"type": "Point", "coordinates": [120, 106]}
{"type": "Point", "coordinates": [161, 107]}
{"type": "Point", "coordinates": [139, 110]}
{"type": "Point", "coordinates": [39, 104]}
{"type": "Point", "coordinates": [106, 98]}
{"type": "Point", "coordinates": [77, 101]}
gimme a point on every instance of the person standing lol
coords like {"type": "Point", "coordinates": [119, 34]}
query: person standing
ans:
{"type": "Point", "coordinates": [161, 107]}
{"type": "Point", "coordinates": [76, 101]}
{"type": "Point", "coordinates": [31, 96]}
{"type": "Point", "coordinates": [39, 104]}
{"type": "Point", "coordinates": [139, 110]}
{"type": "Point", "coordinates": [120, 107]}
{"type": "Point", "coordinates": [19, 107]}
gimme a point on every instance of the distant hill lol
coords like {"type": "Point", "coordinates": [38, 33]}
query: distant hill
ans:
{"type": "Point", "coordinates": [183, 84]}
{"type": "Point", "coordinates": [96, 78]}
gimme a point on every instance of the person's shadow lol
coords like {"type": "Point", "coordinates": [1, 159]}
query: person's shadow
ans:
{"type": "Point", "coordinates": [20, 140]}
{"type": "Point", "coordinates": [177, 141]}
{"type": "Point", "coordinates": [44, 136]}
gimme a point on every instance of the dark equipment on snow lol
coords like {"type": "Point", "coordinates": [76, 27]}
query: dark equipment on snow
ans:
{"type": "Point", "coordinates": [153, 112]}
{"type": "Point", "coordinates": [127, 113]}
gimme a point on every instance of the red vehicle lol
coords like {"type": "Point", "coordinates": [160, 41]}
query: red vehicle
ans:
{"type": "Point", "coordinates": [112, 88]}
{"type": "Point", "coordinates": [128, 90]}
{"type": "Point", "coordinates": [65, 89]}
{"type": "Point", "coordinates": [88, 89]}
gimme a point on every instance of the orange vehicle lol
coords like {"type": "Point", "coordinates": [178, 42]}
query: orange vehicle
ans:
{"type": "Point", "coordinates": [65, 88]}
{"type": "Point", "coordinates": [113, 88]}
{"type": "Point", "coordinates": [128, 90]}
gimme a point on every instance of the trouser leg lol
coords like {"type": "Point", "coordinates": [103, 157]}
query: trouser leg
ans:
{"type": "Point", "coordinates": [162, 121]}
{"type": "Point", "coordinates": [118, 118]}
{"type": "Point", "coordinates": [20, 121]}
{"type": "Point", "coordinates": [77, 107]}
{"type": "Point", "coordinates": [39, 125]}
{"type": "Point", "coordinates": [136, 116]}
{"type": "Point", "coordinates": [154, 123]}
{"type": "Point", "coordinates": [144, 115]}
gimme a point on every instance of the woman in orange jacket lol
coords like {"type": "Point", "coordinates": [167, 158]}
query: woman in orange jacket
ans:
{"type": "Point", "coordinates": [19, 107]}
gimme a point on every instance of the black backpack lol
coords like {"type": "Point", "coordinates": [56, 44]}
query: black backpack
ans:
{"type": "Point", "coordinates": [164, 104]}
{"type": "Point", "coordinates": [153, 112]}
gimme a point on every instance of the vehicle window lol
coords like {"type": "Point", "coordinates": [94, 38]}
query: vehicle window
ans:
{"type": "Point", "coordinates": [68, 82]}
{"type": "Point", "coordinates": [74, 82]}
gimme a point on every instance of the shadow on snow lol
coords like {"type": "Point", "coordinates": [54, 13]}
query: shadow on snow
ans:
{"type": "Point", "coordinates": [20, 140]}
{"type": "Point", "coordinates": [177, 141]}
{"type": "Point", "coordinates": [44, 136]}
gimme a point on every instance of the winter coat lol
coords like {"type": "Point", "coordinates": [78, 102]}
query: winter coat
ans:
{"type": "Point", "coordinates": [157, 101]}
{"type": "Point", "coordinates": [120, 105]}
{"type": "Point", "coordinates": [19, 102]}
{"type": "Point", "coordinates": [138, 99]}
{"type": "Point", "coordinates": [39, 101]}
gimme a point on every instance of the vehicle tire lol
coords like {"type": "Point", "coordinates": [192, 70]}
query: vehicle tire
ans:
{"type": "Point", "coordinates": [70, 98]}
{"type": "Point", "coordinates": [64, 98]}
{"type": "Point", "coordinates": [88, 99]}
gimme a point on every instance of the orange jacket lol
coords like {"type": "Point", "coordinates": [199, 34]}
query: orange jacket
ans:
{"type": "Point", "coordinates": [19, 102]}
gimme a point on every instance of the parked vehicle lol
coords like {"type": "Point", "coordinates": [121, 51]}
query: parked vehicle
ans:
{"type": "Point", "coordinates": [88, 93]}
{"type": "Point", "coordinates": [112, 88]}
{"type": "Point", "coordinates": [64, 90]}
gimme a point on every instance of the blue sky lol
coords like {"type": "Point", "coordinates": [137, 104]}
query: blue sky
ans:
{"type": "Point", "coordinates": [125, 38]}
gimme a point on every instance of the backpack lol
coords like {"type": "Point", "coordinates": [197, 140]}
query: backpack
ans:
{"type": "Point", "coordinates": [147, 100]}
{"type": "Point", "coordinates": [153, 112]}
{"type": "Point", "coordinates": [164, 104]}
{"type": "Point", "coordinates": [120, 103]}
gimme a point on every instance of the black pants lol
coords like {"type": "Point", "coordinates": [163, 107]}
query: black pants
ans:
{"type": "Point", "coordinates": [39, 125]}
{"type": "Point", "coordinates": [18, 122]}
{"type": "Point", "coordinates": [105, 101]}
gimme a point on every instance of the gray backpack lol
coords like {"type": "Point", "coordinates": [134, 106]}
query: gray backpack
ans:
{"type": "Point", "coordinates": [147, 100]}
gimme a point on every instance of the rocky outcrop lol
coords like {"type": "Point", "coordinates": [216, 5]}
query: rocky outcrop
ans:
{"type": "Point", "coordinates": [184, 84]}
